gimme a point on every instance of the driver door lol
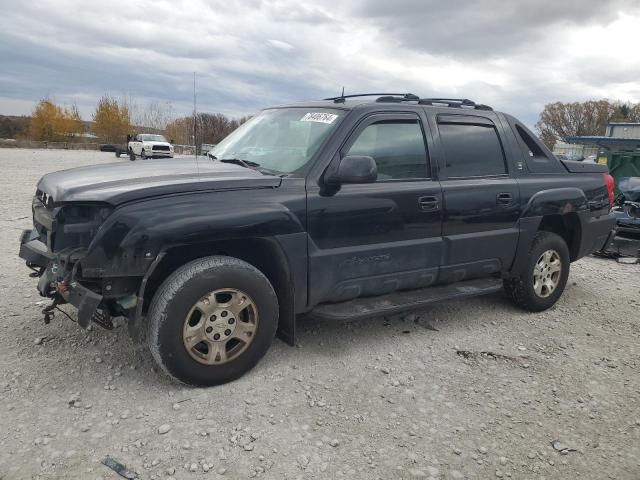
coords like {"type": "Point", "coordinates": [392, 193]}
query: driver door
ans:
{"type": "Point", "coordinates": [374, 238]}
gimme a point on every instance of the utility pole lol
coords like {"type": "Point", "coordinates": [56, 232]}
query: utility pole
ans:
{"type": "Point", "coordinates": [195, 117]}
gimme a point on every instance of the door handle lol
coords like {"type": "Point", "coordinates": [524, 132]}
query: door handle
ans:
{"type": "Point", "coordinates": [429, 203]}
{"type": "Point", "coordinates": [504, 198]}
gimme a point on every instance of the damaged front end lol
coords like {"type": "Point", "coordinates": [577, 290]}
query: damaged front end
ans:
{"type": "Point", "coordinates": [54, 250]}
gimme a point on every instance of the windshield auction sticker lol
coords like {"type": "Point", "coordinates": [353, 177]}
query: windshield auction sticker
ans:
{"type": "Point", "coordinates": [319, 117]}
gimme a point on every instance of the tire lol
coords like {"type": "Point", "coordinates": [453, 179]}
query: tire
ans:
{"type": "Point", "coordinates": [132, 156]}
{"type": "Point", "coordinates": [170, 316]}
{"type": "Point", "coordinates": [143, 155]}
{"type": "Point", "coordinates": [532, 294]}
{"type": "Point", "coordinates": [117, 150]}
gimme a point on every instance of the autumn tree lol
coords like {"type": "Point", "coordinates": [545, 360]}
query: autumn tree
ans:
{"type": "Point", "coordinates": [179, 131]}
{"type": "Point", "coordinates": [50, 122]}
{"type": "Point", "coordinates": [559, 120]}
{"type": "Point", "coordinates": [111, 120]}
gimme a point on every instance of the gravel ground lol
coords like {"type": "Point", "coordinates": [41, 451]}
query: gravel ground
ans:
{"type": "Point", "coordinates": [385, 398]}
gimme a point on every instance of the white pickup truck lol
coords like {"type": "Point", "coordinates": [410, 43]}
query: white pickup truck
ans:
{"type": "Point", "coordinates": [147, 145]}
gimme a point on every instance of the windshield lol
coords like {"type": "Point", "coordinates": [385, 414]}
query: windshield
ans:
{"type": "Point", "coordinates": [280, 140]}
{"type": "Point", "coordinates": [152, 138]}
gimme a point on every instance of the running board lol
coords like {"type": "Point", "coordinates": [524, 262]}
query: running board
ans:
{"type": "Point", "coordinates": [395, 302]}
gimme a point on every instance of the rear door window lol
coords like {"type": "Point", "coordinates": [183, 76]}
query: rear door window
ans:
{"type": "Point", "coordinates": [471, 150]}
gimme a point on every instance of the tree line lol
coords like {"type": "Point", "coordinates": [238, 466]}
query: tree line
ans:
{"type": "Point", "coordinates": [113, 120]}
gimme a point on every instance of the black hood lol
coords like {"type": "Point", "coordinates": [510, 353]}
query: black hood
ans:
{"type": "Point", "coordinates": [120, 182]}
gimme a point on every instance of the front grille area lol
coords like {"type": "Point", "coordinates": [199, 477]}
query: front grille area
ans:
{"type": "Point", "coordinates": [44, 217]}
{"type": "Point", "coordinates": [164, 148]}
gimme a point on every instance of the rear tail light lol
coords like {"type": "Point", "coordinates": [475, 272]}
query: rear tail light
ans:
{"type": "Point", "coordinates": [608, 182]}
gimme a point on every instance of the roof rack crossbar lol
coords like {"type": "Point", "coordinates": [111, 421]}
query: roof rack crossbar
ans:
{"type": "Point", "coordinates": [454, 102]}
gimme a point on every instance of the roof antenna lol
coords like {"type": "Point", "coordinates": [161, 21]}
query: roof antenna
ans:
{"type": "Point", "coordinates": [341, 98]}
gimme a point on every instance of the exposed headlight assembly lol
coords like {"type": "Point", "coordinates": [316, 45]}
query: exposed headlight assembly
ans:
{"type": "Point", "coordinates": [78, 223]}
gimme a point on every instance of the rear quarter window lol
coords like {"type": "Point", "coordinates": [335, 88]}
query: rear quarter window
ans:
{"type": "Point", "coordinates": [536, 158]}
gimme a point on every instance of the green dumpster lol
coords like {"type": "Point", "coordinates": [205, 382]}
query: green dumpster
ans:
{"type": "Point", "coordinates": [621, 164]}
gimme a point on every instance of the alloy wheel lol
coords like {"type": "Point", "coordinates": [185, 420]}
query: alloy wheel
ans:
{"type": "Point", "coordinates": [220, 326]}
{"type": "Point", "coordinates": [546, 273]}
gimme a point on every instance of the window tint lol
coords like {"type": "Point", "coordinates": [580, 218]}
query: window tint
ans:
{"type": "Point", "coordinates": [396, 146]}
{"type": "Point", "coordinates": [471, 150]}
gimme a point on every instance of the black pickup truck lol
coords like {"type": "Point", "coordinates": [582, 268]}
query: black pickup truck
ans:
{"type": "Point", "coordinates": [343, 208]}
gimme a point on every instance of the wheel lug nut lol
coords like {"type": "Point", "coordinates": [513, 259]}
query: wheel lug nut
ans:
{"type": "Point", "coordinates": [209, 329]}
{"type": "Point", "coordinates": [223, 314]}
{"type": "Point", "coordinates": [227, 332]}
{"type": "Point", "coordinates": [231, 321]}
{"type": "Point", "coordinates": [216, 336]}
{"type": "Point", "coordinates": [213, 318]}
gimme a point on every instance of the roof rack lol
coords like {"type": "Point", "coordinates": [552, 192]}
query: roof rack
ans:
{"type": "Point", "coordinates": [404, 96]}
{"type": "Point", "coordinates": [410, 97]}
{"type": "Point", "coordinates": [449, 102]}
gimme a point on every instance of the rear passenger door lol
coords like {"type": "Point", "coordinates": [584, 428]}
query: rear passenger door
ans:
{"type": "Point", "coordinates": [481, 201]}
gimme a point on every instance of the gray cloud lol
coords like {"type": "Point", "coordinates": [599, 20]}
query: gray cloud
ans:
{"type": "Point", "coordinates": [251, 54]}
{"type": "Point", "coordinates": [484, 28]}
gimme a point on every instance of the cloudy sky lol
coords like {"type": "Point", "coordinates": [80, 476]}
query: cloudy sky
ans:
{"type": "Point", "coordinates": [513, 55]}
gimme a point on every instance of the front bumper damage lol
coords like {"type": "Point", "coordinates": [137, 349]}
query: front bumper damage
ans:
{"type": "Point", "coordinates": [57, 280]}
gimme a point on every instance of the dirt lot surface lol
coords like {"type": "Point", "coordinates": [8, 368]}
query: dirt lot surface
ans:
{"type": "Point", "coordinates": [474, 389]}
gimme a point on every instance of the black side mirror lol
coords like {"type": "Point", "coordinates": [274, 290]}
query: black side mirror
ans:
{"type": "Point", "coordinates": [353, 169]}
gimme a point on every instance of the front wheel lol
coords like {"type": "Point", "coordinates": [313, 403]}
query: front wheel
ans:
{"type": "Point", "coordinates": [132, 156]}
{"type": "Point", "coordinates": [143, 155]}
{"type": "Point", "coordinates": [542, 282]}
{"type": "Point", "coordinates": [212, 320]}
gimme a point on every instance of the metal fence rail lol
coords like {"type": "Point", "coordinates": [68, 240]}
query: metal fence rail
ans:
{"type": "Point", "coordinates": [10, 143]}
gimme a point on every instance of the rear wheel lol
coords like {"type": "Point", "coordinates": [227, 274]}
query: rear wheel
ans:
{"type": "Point", "coordinates": [212, 320]}
{"type": "Point", "coordinates": [118, 152]}
{"type": "Point", "coordinates": [542, 282]}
